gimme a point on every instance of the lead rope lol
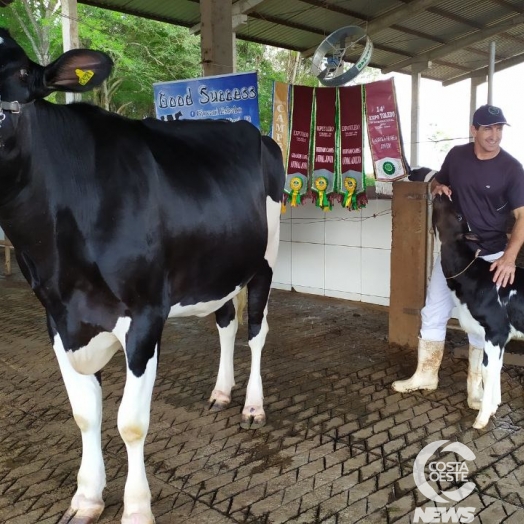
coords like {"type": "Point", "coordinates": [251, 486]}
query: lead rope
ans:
{"type": "Point", "coordinates": [465, 269]}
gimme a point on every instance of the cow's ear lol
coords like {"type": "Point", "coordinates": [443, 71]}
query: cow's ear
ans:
{"type": "Point", "coordinates": [472, 237]}
{"type": "Point", "coordinates": [77, 70]}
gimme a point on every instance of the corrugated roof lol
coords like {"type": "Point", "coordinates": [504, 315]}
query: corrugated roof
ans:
{"type": "Point", "coordinates": [405, 32]}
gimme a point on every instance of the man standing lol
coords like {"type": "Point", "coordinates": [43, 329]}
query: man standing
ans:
{"type": "Point", "coordinates": [486, 184]}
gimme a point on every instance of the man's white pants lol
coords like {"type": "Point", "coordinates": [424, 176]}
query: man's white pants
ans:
{"type": "Point", "coordinates": [439, 305]}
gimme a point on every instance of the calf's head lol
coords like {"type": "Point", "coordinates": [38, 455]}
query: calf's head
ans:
{"type": "Point", "coordinates": [23, 80]}
{"type": "Point", "coordinates": [451, 227]}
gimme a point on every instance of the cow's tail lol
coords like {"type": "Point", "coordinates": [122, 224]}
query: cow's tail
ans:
{"type": "Point", "coordinates": [275, 174]}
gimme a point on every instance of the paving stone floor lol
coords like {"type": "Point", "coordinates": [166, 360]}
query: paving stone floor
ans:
{"type": "Point", "coordinates": [339, 445]}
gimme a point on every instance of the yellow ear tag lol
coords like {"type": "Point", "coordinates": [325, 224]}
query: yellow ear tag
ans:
{"type": "Point", "coordinates": [84, 76]}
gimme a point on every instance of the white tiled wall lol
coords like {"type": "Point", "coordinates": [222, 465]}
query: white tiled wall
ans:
{"type": "Point", "coordinates": [339, 253]}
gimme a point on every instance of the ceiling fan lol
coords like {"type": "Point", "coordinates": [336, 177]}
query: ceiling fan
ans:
{"type": "Point", "coordinates": [330, 61]}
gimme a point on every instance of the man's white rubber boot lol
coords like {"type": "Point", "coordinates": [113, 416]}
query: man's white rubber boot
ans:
{"type": "Point", "coordinates": [475, 390]}
{"type": "Point", "coordinates": [430, 354]}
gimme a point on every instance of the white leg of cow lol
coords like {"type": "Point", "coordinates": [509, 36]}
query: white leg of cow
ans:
{"type": "Point", "coordinates": [221, 395]}
{"type": "Point", "coordinates": [253, 415]}
{"type": "Point", "coordinates": [133, 423]}
{"type": "Point", "coordinates": [497, 395]}
{"type": "Point", "coordinates": [475, 391]}
{"type": "Point", "coordinates": [490, 377]}
{"type": "Point", "coordinates": [85, 396]}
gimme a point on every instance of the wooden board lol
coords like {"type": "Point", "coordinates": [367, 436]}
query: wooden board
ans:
{"type": "Point", "coordinates": [408, 261]}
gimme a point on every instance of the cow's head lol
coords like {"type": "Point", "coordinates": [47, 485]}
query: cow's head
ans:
{"type": "Point", "coordinates": [22, 80]}
{"type": "Point", "coordinates": [450, 225]}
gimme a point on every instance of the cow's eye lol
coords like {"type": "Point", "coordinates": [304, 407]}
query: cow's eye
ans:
{"type": "Point", "coordinates": [23, 74]}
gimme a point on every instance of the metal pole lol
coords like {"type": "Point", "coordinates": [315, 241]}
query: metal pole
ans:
{"type": "Point", "coordinates": [415, 117]}
{"type": "Point", "coordinates": [416, 70]}
{"type": "Point", "coordinates": [491, 72]}
{"type": "Point", "coordinates": [475, 82]}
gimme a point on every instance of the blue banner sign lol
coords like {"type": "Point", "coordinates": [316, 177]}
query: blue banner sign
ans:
{"type": "Point", "coordinates": [232, 97]}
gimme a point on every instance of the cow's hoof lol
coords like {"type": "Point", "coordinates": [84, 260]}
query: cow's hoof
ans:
{"type": "Point", "coordinates": [138, 518]}
{"type": "Point", "coordinates": [219, 400]}
{"type": "Point", "coordinates": [409, 385]}
{"type": "Point", "coordinates": [253, 418]}
{"type": "Point", "coordinates": [250, 422]}
{"type": "Point", "coordinates": [81, 516]}
{"type": "Point", "coordinates": [474, 403]}
{"type": "Point", "coordinates": [481, 422]}
{"type": "Point", "coordinates": [217, 405]}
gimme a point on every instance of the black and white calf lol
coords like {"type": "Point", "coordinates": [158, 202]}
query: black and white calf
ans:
{"type": "Point", "coordinates": [421, 174]}
{"type": "Point", "coordinates": [119, 224]}
{"type": "Point", "coordinates": [495, 313]}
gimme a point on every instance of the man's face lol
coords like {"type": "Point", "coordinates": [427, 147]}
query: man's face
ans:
{"type": "Point", "coordinates": [487, 138]}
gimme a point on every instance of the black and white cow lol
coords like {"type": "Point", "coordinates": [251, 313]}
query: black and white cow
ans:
{"type": "Point", "coordinates": [421, 174]}
{"type": "Point", "coordinates": [119, 224]}
{"type": "Point", "coordinates": [496, 313]}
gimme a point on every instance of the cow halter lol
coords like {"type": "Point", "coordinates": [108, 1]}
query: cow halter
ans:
{"type": "Point", "coordinates": [467, 267]}
{"type": "Point", "coordinates": [13, 107]}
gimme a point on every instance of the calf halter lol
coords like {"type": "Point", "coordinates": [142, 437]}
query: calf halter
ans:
{"type": "Point", "coordinates": [13, 107]}
{"type": "Point", "coordinates": [467, 267]}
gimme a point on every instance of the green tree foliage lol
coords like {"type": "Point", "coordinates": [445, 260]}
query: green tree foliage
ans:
{"type": "Point", "coordinates": [441, 140]}
{"type": "Point", "coordinates": [271, 64]}
{"type": "Point", "coordinates": [144, 52]}
{"type": "Point", "coordinates": [35, 25]}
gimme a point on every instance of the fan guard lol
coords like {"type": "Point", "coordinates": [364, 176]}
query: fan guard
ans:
{"type": "Point", "coordinates": [329, 65]}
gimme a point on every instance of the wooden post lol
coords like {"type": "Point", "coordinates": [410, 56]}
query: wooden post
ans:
{"type": "Point", "coordinates": [409, 254]}
{"type": "Point", "coordinates": [217, 37]}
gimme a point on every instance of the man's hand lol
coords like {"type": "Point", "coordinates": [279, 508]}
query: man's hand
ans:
{"type": "Point", "coordinates": [440, 189]}
{"type": "Point", "coordinates": [504, 268]}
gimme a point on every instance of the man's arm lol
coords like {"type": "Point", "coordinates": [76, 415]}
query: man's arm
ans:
{"type": "Point", "coordinates": [504, 267]}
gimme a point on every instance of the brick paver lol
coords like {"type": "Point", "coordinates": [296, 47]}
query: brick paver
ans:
{"type": "Point", "coordinates": [338, 448]}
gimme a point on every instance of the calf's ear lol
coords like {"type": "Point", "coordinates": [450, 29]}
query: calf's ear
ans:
{"type": "Point", "coordinates": [472, 237]}
{"type": "Point", "coordinates": [77, 70]}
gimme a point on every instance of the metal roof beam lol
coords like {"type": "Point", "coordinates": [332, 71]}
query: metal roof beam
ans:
{"type": "Point", "coordinates": [397, 15]}
{"type": "Point", "coordinates": [387, 19]}
{"type": "Point", "coordinates": [457, 44]}
{"type": "Point", "coordinates": [461, 20]}
{"type": "Point", "coordinates": [483, 71]}
{"type": "Point", "coordinates": [136, 12]}
{"type": "Point", "coordinates": [508, 5]}
{"type": "Point", "coordinates": [328, 6]}
{"type": "Point", "coordinates": [238, 12]}
{"type": "Point", "coordinates": [314, 30]}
